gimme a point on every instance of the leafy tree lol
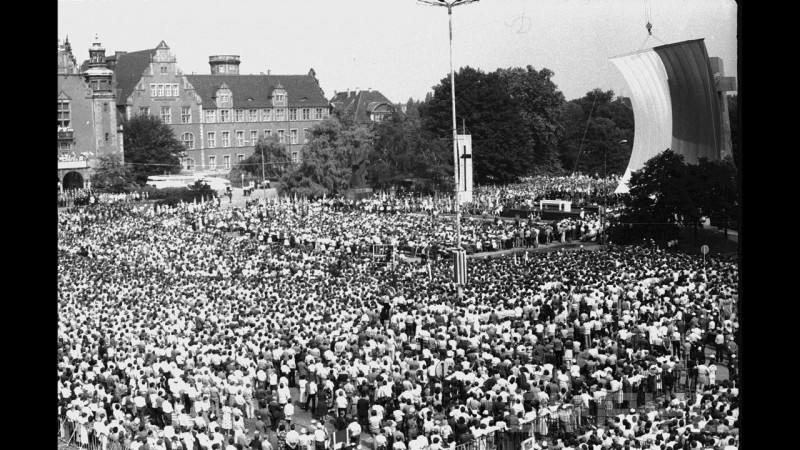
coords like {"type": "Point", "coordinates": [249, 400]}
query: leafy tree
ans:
{"type": "Point", "coordinates": [663, 197]}
{"type": "Point", "coordinates": [276, 161]}
{"type": "Point", "coordinates": [325, 166]}
{"type": "Point", "coordinates": [733, 114]}
{"type": "Point", "coordinates": [412, 109]}
{"type": "Point", "coordinates": [110, 173]}
{"type": "Point", "coordinates": [404, 151]}
{"type": "Point", "coordinates": [540, 104]}
{"type": "Point", "coordinates": [594, 127]}
{"type": "Point", "coordinates": [503, 145]}
{"type": "Point", "coordinates": [151, 148]}
{"type": "Point", "coordinates": [717, 194]}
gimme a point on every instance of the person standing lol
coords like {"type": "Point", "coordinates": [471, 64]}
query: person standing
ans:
{"type": "Point", "coordinates": [354, 431]}
{"type": "Point", "coordinates": [311, 400]}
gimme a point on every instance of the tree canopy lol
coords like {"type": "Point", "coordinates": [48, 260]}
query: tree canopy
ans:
{"type": "Point", "coordinates": [511, 115]}
{"type": "Point", "coordinates": [326, 159]}
{"type": "Point", "coordinates": [403, 151]}
{"type": "Point", "coordinates": [667, 193]}
{"type": "Point", "coordinates": [110, 173]}
{"type": "Point", "coordinates": [275, 158]}
{"type": "Point", "coordinates": [151, 148]}
{"type": "Point", "coordinates": [595, 126]}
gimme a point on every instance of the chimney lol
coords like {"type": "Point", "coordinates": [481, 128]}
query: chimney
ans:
{"type": "Point", "coordinates": [334, 92]}
{"type": "Point", "coordinates": [348, 92]}
{"type": "Point", "coordinates": [369, 89]}
{"type": "Point", "coordinates": [269, 72]}
{"type": "Point", "coordinates": [357, 90]}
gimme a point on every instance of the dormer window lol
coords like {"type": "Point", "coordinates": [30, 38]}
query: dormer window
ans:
{"type": "Point", "coordinates": [280, 99]}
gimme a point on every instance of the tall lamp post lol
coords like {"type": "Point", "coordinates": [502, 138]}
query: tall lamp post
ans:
{"type": "Point", "coordinates": [450, 4]}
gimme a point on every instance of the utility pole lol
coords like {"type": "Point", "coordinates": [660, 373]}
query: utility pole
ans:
{"type": "Point", "coordinates": [449, 4]}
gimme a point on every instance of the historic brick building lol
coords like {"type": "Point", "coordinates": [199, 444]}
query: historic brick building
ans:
{"type": "Point", "coordinates": [364, 107]}
{"type": "Point", "coordinates": [219, 116]}
{"type": "Point", "coordinates": [87, 115]}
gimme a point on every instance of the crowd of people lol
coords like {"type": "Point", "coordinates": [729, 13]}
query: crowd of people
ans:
{"type": "Point", "coordinates": [175, 330]}
{"type": "Point", "coordinates": [83, 196]}
{"type": "Point", "coordinates": [356, 227]}
{"type": "Point", "coordinates": [70, 157]}
{"type": "Point", "coordinates": [581, 190]}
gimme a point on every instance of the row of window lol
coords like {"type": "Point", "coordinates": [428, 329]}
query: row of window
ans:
{"type": "Point", "coordinates": [188, 163]}
{"type": "Point", "coordinates": [253, 115]}
{"type": "Point", "coordinates": [211, 138]}
{"type": "Point", "coordinates": [263, 115]}
{"type": "Point", "coordinates": [163, 90]}
{"type": "Point", "coordinates": [212, 162]}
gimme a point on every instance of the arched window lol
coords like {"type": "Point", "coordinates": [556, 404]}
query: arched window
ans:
{"type": "Point", "coordinates": [188, 140]}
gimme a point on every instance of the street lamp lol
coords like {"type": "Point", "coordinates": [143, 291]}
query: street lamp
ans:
{"type": "Point", "coordinates": [449, 4]}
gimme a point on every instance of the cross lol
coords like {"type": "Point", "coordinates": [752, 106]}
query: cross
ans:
{"type": "Point", "coordinates": [723, 84]}
{"type": "Point", "coordinates": [464, 156]}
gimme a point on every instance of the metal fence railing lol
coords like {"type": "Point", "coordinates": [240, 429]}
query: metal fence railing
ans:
{"type": "Point", "coordinates": [558, 423]}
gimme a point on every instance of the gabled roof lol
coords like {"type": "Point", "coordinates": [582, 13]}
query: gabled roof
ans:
{"type": "Point", "coordinates": [129, 70]}
{"type": "Point", "coordinates": [302, 90]}
{"type": "Point", "coordinates": [359, 104]}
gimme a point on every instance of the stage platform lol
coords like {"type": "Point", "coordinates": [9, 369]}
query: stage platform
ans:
{"type": "Point", "coordinates": [550, 214]}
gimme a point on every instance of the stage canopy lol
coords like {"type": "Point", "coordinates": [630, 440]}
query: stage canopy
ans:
{"type": "Point", "coordinates": [675, 103]}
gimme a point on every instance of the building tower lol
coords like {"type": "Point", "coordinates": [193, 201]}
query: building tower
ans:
{"type": "Point", "coordinates": [67, 64]}
{"type": "Point", "coordinates": [224, 64]}
{"type": "Point", "coordinates": [99, 78]}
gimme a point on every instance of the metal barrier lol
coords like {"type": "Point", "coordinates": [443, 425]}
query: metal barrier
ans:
{"type": "Point", "coordinates": [483, 442]}
{"type": "Point", "coordinates": [67, 431]}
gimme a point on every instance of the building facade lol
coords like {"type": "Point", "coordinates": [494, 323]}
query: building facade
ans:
{"type": "Point", "coordinates": [363, 107]}
{"type": "Point", "coordinates": [220, 116]}
{"type": "Point", "coordinates": [87, 116]}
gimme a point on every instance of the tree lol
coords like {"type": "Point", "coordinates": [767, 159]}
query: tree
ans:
{"type": "Point", "coordinates": [717, 193]}
{"type": "Point", "coordinates": [111, 173]}
{"type": "Point", "coordinates": [327, 158]}
{"type": "Point", "coordinates": [663, 197]}
{"type": "Point", "coordinates": [403, 151]}
{"type": "Point", "coordinates": [412, 109]}
{"type": "Point", "coordinates": [151, 148]}
{"type": "Point", "coordinates": [540, 104]}
{"type": "Point", "coordinates": [594, 126]}
{"type": "Point", "coordinates": [503, 144]}
{"type": "Point", "coordinates": [275, 158]}
{"type": "Point", "coordinates": [733, 114]}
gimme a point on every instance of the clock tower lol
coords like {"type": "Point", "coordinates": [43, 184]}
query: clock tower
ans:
{"type": "Point", "coordinates": [100, 79]}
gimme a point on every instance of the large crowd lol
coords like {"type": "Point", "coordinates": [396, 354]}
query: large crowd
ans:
{"type": "Point", "coordinates": [177, 325]}
{"type": "Point", "coordinates": [580, 189]}
{"type": "Point", "coordinates": [87, 196]}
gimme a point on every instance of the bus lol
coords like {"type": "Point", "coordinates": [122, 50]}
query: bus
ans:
{"type": "Point", "coordinates": [221, 185]}
{"type": "Point", "coordinates": [170, 181]}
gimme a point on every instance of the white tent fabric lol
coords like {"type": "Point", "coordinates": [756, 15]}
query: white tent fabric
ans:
{"type": "Point", "coordinates": [675, 104]}
{"type": "Point", "coordinates": [652, 107]}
